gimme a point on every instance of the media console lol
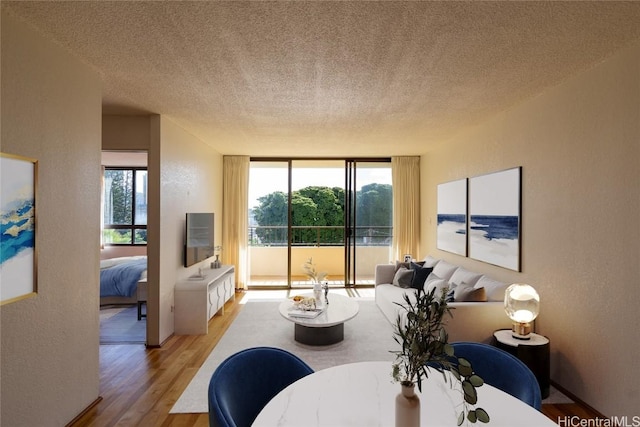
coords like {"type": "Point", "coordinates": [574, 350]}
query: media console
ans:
{"type": "Point", "coordinates": [198, 300]}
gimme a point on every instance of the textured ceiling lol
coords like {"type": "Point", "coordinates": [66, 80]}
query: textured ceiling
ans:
{"type": "Point", "coordinates": [330, 78]}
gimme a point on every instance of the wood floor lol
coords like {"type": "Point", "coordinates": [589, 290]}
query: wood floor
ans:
{"type": "Point", "coordinates": [138, 386]}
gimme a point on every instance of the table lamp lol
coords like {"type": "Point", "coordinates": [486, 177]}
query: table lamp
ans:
{"type": "Point", "coordinates": [522, 304]}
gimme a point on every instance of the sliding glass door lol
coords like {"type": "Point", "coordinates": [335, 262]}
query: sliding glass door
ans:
{"type": "Point", "coordinates": [328, 216]}
{"type": "Point", "coordinates": [369, 219]}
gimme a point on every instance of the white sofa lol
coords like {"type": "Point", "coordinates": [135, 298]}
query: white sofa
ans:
{"type": "Point", "coordinates": [471, 321]}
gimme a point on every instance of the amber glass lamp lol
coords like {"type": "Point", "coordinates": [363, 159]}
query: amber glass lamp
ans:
{"type": "Point", "coordinates": [522, 305]}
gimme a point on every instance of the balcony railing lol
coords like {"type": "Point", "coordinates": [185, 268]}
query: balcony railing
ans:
{"type": "Point", "coordinates": [276, 235]}
{"type": "Point", "coordinates": [268, 253]}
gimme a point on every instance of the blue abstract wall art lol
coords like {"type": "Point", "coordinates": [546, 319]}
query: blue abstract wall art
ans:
{"type": "Point", "coordinates": [495, 218]}
{"type": "Point", "coordinates": [17, 227]}
{"type": "Point", "coordinates": [452, 217]}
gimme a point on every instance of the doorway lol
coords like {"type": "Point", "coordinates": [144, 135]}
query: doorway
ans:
{"type": "Point", "coordinates": [123, 251]}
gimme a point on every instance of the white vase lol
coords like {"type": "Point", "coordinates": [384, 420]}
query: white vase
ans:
{"type": "Point", "coordinates": [407, 407]}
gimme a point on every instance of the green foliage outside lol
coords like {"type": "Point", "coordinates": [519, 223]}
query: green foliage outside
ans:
{"type": "Point", "coordinates": [318, 214]}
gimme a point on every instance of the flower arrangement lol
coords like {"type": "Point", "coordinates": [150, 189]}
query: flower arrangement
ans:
{"type": "Point", "coordinates": [424, 346]}
{"type": "Point", "coordinates": [314, 275]}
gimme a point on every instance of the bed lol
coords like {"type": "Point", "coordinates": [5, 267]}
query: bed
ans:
{"type": "Point", "coordinates": [123, 281]}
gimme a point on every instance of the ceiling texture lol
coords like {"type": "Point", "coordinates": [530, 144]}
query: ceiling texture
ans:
{"type": "Point", "coordinates": [330, 78]}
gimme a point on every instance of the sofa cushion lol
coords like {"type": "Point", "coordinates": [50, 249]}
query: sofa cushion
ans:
{"type": "Point", "coordinates": [466, 293]}
{"type": "Point", "coordinates": [493, 288]}
{"type": "Point", "coordinates": [438, 284]}
{"type": "Point", "coordinates": [444, 270]}
{"type": "Point", "coordinates": [403, 278]}
{"type": "Point", "coordinates": [462, 275]}
{"type": "Point", "coordinates": [420, 274]}
{"type": "Point", "coordinates": [430, 261]}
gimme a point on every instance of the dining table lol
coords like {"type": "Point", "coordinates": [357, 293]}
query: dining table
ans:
{"type": "Point", "coordinates": [363, 394]}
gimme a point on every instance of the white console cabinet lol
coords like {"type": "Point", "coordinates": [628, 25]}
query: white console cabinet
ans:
{"type": "Point", "coordinates": [198, 300]}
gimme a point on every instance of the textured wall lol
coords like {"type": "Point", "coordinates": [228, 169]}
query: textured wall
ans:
{"type": "Point", "coordinates": [579, 146]}
{"type": "Point", "coordinates": [51, 108]}
{"type": "Point", "coordinates": [190, 180]}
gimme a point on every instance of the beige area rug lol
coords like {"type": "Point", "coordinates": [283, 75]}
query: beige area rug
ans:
{"type": "Point", "coordinates": [367, 337]}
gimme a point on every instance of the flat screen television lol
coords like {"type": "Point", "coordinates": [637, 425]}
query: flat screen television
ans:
{"type": "Point", "coordinates": [199, 244]}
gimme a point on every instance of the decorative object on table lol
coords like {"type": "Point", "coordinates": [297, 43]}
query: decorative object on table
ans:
{"type": "Point", "coordinates": [407, 407]}
{"type": "Point", "coordinates": [325, 287]}
{"type": "Point", "coordinates": [494, 218]}
{"type": "Point", "coordinates": [317, 295]}
{"type": "Point", "coordinates": [452, 217]}
{"type": "Point", "coordinates": [18, 219]}
{"type": "Point", "coordinates": [522, 305]}
{"type": "Point", "coordinates": [314, 275]}
{"type": "Point", "coordinates": [217, 263]}
{"type": "Point", "coordinates": [424, 345]}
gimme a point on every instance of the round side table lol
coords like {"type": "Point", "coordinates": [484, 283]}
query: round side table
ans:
{"type": "Point", "coordinates": [534, 352]}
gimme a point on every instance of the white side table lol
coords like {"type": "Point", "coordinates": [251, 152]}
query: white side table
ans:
{"type": "Point", "coordinates": [534, 352]}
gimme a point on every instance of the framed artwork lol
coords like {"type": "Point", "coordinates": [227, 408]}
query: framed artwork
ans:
{"type": "Point", "coordinates": [18, 180]}
{"type": "Point", "coordinates": [452, 217]}
{"type": "Point", "coordinates": [494, 218]}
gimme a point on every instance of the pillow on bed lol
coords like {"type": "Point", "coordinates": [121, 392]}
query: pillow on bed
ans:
{"type": "Point", "coordinates": [107, 263]}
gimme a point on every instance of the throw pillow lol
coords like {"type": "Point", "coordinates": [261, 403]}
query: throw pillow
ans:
{"type": "Point", "coordinates": [438, 284]}
{"type": "Point", "coordinates": [464, 292]}
{"type": "Point", "coordinates": [403, 278]}
{"type": "Point", "coordinates": [400, 265]}
{"type": "Point", "coordinates": [420, 274]}
{"type": "Point", "coordinates": [450, 295]}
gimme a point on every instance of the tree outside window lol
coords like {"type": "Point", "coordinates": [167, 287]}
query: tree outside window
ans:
{"type": "Point", "coordinates": [125, 206]}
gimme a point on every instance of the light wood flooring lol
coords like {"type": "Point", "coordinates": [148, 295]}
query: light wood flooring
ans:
{"type": "Point", "coordinates": [138, 386]}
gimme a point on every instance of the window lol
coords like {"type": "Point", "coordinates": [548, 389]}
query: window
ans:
{"type": "Point", "coordinates": [125, 206]}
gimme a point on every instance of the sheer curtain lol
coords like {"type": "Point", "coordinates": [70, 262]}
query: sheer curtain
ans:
{"type": "Point", "coordinates": [235, 222]}
{"type": "Point", "coordinates": [405, 178]}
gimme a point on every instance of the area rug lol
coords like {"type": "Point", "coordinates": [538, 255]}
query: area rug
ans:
{"type": "Point", "coordinates": [367, 337]}
{"type": "Point", "coordinates": [121, 326]}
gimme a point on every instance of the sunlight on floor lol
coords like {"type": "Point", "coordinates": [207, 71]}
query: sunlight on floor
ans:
{"type": "Point", "coordinates": [281, 294]}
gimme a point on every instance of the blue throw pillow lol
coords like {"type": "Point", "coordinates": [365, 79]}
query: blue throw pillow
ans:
{"type": "Point", "coordinates": [420, 274]}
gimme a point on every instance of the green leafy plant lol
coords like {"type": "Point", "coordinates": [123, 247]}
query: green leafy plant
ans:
{"type": "Point", "coordinates": [314, 275]}
{"type": "Point", "coordinates": [424, 347]}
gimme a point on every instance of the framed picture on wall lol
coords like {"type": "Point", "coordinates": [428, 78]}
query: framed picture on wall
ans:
{"type": "Point", "coordinates": [452, 217]}
{"type": "Point", "coordinates": [495, 217]}
{"type": "Point", "coordinates": [18, 179]}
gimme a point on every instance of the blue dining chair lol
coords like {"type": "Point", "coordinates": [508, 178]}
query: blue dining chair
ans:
{"type": "Point", "coordinates": [501, 370]}
{"type": "Point", "coordinates": [246, 381]}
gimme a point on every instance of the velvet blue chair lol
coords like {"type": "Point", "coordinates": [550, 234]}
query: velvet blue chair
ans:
{"type": "Point", "coordinates": [501, 370]}
{"type": "Point", "coordinates": [246, 381]}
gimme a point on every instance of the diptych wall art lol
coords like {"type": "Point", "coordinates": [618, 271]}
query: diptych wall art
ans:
{"type": "Point", "coordinates": [452, 217]}
{"type": "Point", "coordinates": [494, 218]}
{"type": "Point", "coordinates": [481, 218]}
{"type": "Point", "coordinates": [18, 177]}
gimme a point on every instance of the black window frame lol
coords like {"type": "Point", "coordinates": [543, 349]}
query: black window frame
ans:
{"type": "Point", "coordinates": [133, 226]}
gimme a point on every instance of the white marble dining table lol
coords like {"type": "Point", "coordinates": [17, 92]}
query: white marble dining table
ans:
{"type": "Point", "coordinates": [363, 394]}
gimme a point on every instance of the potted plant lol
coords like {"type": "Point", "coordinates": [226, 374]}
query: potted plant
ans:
{"type": "Point", "coordinates": [424, 348]}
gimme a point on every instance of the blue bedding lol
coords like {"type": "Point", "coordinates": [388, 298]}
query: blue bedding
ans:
{"type": "Point", "coordinates": [121, 280]}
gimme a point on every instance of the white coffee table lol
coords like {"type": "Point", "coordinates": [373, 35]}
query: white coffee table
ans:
{"type": "Point", "coordinates": [328, 327]}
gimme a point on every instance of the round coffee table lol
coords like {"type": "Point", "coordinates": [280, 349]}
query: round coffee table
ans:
{"type": "Point", "coordinates": [328, 327]}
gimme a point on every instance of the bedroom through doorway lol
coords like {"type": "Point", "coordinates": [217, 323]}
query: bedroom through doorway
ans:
{"type": "Point", "coordinates": [123, 250]}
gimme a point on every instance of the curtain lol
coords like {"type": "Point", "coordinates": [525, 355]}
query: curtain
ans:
{"type": "Point", "coordinates": [235, 212]}
{"type": "Point", "coordinates": [405, 179]}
